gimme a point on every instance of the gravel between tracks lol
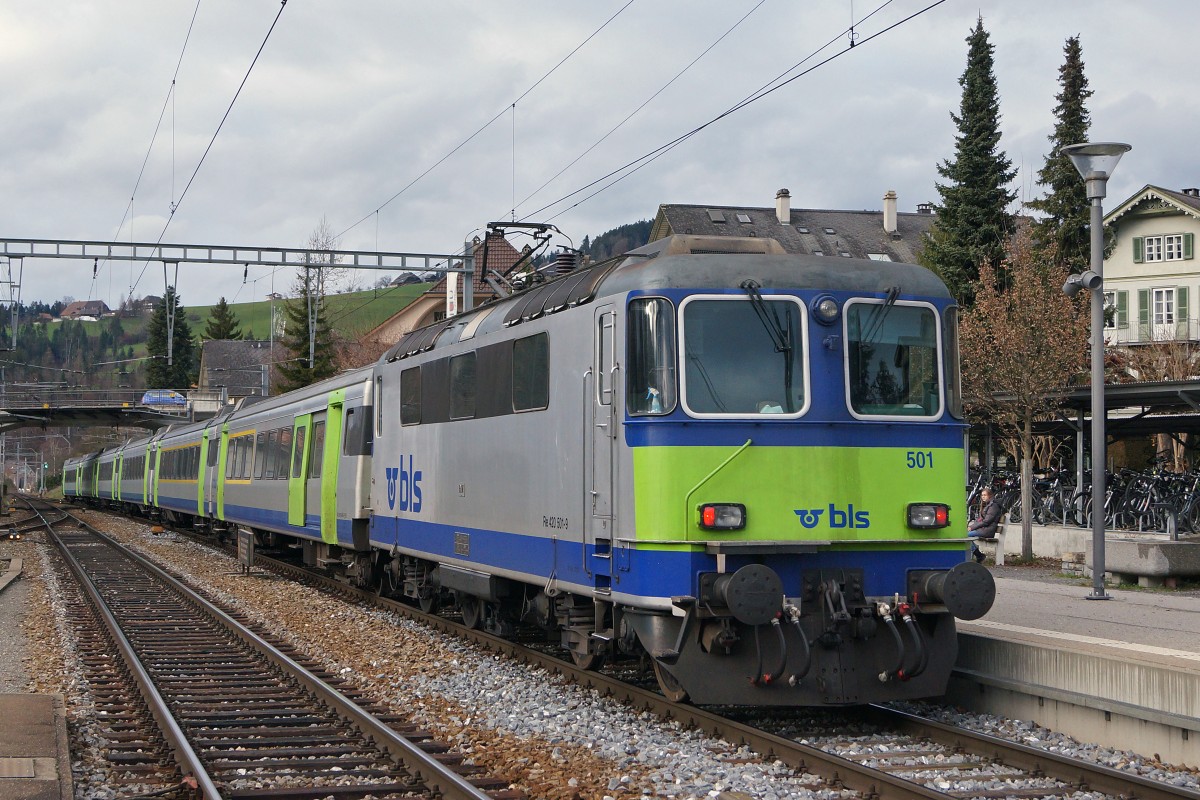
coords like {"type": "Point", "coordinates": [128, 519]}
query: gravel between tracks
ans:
{"type": "Point", "coordinates": [553, 740]}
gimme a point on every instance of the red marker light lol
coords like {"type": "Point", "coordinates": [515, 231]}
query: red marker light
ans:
{"type": "Point", "coordinates": [723, 516]}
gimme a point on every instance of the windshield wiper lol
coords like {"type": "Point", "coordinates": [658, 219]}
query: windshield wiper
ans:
{"type": "Point", "coordinates": [874, 324]}
{"type": "Point", "coordinates": [781, 337]}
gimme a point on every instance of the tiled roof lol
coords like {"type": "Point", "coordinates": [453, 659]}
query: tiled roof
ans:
{"type": "Point", "coordinates": [236, 364]}
{"type": "Point", "coordinates": [858, 234]}
{"type": "Point", "coordinates": [500, 257]}
{"type": "Point", "coordinates": [85, 308]}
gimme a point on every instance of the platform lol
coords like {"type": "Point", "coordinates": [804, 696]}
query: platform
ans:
{"type": "Point", "coordinates": [1123, 672]}
{"type": "Point", "coordinates": [34, 759]}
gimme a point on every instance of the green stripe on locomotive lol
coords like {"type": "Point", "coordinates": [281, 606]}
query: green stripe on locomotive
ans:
{"type": "Point", "coordinates": [851, 494]}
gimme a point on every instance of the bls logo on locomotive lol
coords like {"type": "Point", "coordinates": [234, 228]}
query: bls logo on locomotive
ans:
{"type": "Point", "coordinates": [404, 487]}
{"type": "Point", "coordinates": [838, 518]}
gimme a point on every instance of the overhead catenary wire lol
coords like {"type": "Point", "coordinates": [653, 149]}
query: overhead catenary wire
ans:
{"type": "Point", "coordinates": [167, 101]}
{"type": "Point", "coordinates": [177, 203]}
{"type": "Point", "coordinates": [633, 113]}
{"type": "Point", "coordinates": [629, 168]}
{"type": "Point", "coordinates": [489, 123]}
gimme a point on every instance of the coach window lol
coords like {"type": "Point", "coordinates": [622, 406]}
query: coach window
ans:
{"type": "Point", "coordinates": [651, 357]}
{"type": "Point", "coordinates": [743, 356]}
{"type": "Point", "coordinates": [410, 396]}
{"type": "Point", "coordinates": [531, 373]}
{"type": "Point", "coordinates": [892, 362]}
{"type": "Point", "coordinates": [318, 450]}
{"type": "Point", "coordinates": [462, 386]}
{"type": "Point", "coordinates": [298, 454]}
{"type": "Point", "coordinates": [245, 457]}
{"type": "Point", "coordinates": [357, 439]}
{"type": "Point", "coordinates": [260, 453]}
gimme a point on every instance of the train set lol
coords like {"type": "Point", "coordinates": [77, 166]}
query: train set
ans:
{"type": "Point", "coordinates": [743, 466]}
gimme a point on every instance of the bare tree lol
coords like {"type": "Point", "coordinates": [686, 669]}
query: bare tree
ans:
{"type": "Point", "coordinates": [329, 276]}
{"type": "Point", "coordinates": [1021, 343]}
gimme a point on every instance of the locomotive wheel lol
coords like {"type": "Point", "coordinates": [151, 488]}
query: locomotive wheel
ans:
{"type": "Point", "coordinates": [668, 685]}
{"type": "Point", "coordinates": [472, 610]}
{"type": "Point", "coordinates": [587, 661]}
{"type": "Point", "coordinates": [427, 600]}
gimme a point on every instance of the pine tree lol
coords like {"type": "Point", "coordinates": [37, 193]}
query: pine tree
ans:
{"type": "Point", "coordinates": [973, 223]}
{"type": "Point", "coordinates": [296, 370]}
{"type": "Point", "coordinates": [222, 323]}
{"type": "Point", "coordinates": [1065, 227]}
{"type": "Point", "coordinates": [180, 372]}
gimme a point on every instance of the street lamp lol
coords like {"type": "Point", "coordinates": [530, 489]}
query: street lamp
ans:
{"type": "Point", "coordinates": [1095, 163]}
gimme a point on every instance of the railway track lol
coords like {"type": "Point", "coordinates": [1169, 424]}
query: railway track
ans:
{"type": "Point", "coordinates": [904, 756]}
{"type": "Point", "coordinates": [238, 715]}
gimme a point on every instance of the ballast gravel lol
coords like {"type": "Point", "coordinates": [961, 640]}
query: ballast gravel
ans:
{"type": "Point", "coordinates": [545, 736]}
{"type": "Point", "coordinates": [548, 738]}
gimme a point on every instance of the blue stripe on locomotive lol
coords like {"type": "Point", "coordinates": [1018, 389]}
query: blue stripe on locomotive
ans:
{"type": "Point", "coordinates": [645, 572]}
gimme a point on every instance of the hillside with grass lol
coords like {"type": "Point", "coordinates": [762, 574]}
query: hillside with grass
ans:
{"type": "Point", "coordinates": [109, 352]}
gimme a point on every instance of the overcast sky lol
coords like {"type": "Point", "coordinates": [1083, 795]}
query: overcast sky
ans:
{"type": "Point", "coordinates": [351, 101]}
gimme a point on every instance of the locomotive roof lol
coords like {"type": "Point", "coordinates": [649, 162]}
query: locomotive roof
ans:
{"type": "Point", "coordinates": [683, 262]}
{"type": "Point", "coordinates": [688, 262]}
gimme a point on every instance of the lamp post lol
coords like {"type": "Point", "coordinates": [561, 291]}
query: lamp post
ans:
{"type": "Point", "coordinates": [1095, 163]}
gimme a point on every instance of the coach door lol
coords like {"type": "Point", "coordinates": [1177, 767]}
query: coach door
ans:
{"type": "Point", "coordinates": [203, 497]}
{"type": "Point", "coordinates": [329, 446]}
{"type": "Point", "coordinates": [312, 482]}
{"type": "Point", "coordinates": [602, 430]}
{"type": "Point", "coordinates": [298, 479]}
{"type": "Point", "coordinates": [214, 456]}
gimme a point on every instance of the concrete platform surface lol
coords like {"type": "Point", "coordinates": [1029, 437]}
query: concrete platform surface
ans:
{"type": "Point", "coordinates": [34, 758]}
{"type": "Point", "coordinates": [1124, 672]}
{"type": "Point", "coordinates": [1157, 619]}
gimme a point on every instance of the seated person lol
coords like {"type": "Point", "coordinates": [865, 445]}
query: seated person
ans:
{"type": "Point", "coordinates": [985, 525]}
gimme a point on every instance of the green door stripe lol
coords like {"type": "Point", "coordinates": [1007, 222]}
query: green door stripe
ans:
{"type": "Point", "coordinates": [200, 474]}
{"type": "Point", "coordinates": [329, 465]}
{"type": "Point", "coordinates": [297, 485]}
{"type": "Point", "coordinates": [222, 454]}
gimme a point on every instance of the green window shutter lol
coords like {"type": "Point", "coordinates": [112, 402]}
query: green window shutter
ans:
{"type": "Point", "coordinates": [1181, 313]}
{"type": "Point", "coordinates": [1122, 309]}
{"type": "Point", "coordinates": [1187, 244]}
{"type": "Point", "coordinates": [1144, 315]}
{"type": "Point", "coordinates": [1137, 249]}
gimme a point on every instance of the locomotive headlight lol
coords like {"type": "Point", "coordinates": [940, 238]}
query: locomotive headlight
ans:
{"type": "Point", "coordinates": [722, 516]}
{"type": "Point", "coordinates": [825, 309]}
{"type": "Point", "coordinates": [928, 515]}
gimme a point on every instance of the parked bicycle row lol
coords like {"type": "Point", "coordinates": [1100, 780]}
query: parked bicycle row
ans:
{"type": "Point", "coordinates": [1151, 500]}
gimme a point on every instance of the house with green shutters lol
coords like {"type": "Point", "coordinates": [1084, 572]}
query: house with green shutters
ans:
{"type": "Point", "coordinates": [1151, 274]}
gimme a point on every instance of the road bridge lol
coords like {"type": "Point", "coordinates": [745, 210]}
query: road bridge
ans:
{"type": "Point", "coordinates": [45, 408]}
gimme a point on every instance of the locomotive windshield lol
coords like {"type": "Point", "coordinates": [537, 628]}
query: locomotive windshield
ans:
{"type": "Point", "coordinates": [892, 359]}
{"type": "Point", "coordinates": [743, 356]}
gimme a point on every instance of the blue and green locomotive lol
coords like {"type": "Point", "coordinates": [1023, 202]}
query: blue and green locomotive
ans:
{"type": "Point", "coordinates": [742, 465]}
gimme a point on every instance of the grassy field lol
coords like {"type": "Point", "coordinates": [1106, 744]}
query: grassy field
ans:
{"type": "Point", "coordinates": [351, 314]}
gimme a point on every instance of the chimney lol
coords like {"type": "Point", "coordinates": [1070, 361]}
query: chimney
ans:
{"type": "Point", "coordinates": [889, 211]}
{"type": "Point", "coordinates": [1192, 192]}
{"type": "Point", "coordinates": [783, 206]}
{"type": "Point", "coordinates": [925, 208]}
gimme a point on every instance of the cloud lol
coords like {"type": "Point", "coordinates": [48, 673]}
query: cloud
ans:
{"type": "Point", "coordinates": [349, 103]}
